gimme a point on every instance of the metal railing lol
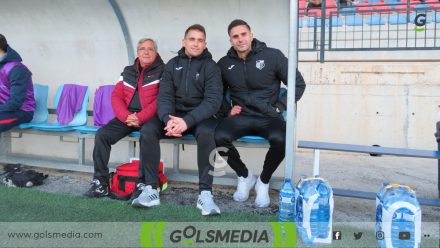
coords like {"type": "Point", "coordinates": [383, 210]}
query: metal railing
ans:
{"type": "Point", "coordinates": [399, 27]}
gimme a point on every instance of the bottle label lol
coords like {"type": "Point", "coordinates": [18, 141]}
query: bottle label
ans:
{"type": "Point", "coordinates": [286, 200]}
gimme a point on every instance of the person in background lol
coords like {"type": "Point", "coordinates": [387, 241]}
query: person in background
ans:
{"type": "Point", "coordinates": [17, 103]}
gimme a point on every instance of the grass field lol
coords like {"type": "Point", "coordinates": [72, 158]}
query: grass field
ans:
{"type": "Point", "coordinates": [30, 205]}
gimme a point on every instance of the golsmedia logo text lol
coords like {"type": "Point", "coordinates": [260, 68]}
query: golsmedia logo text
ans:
{"type": "Point", "coordinates": [218, 234]}
{"type": "Point", "coordinates": [191, 235]}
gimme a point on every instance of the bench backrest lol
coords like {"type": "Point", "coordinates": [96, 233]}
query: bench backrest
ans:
{"type": "Point", "coordinates": [41, 112]}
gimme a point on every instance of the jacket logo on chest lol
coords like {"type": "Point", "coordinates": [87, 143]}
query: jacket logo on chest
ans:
{"type": "Point", "coordinates": [179, 68]}
{"type": "Point", "coordinates": [230, 67]}
{"type": "Point", "coordinates": [260, 64]}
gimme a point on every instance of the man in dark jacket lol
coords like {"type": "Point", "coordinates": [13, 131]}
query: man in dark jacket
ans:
{"type": "Point", "coordinates": [252, 72]}
{"type": "Point", "coordinates": [17, 103]}
{"type": "Point", "coordinates": [134, 104]}
{"type": "Point", "coordinates": [190, 95]}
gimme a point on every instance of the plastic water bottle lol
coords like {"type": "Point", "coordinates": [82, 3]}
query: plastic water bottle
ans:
{"type": "Point", "coordinates": [398, 217]}
{"type": "Point", "coordinates": [314, 210]}
{"type": "Point", "coordinates": [287, 202]}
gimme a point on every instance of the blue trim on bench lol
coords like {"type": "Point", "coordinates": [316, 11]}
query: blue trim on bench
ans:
{"type": "Point", "coordinates": [135, 134]}
{"type": "Point", "coordinates": [255, 139]}
{"type": "Point", "coordinates": [87, 129]}
{"type": "Point", "coordinates": [369, 149]}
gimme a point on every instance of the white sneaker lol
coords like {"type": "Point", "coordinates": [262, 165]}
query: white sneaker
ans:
{"type": "Point", "coordinates": [244, 185]}
{"type": "Point", "coordinates": [148, 198]}
{"type": "Point", "coordinates": [262, 200]}
{"type": "Point", "coordinates": [206, 203]}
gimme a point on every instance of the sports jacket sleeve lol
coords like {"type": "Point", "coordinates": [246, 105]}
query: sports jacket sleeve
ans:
{"type": "Point", "coordinates": [225, 107]}
{"type": "Point", "coordinates": [18, 78]}
{"type": "Point", "coordinates": [212, 99]}
{"type": "Point", "coordinates": [119, 106]}
{"type": "Point", "coordinates": [282, 72]}
{"type": "Point", "coordinates": [166, 96]}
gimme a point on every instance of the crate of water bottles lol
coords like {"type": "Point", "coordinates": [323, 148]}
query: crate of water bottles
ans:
{"type": "Point", "coordinates": [314, 210]}
{"type": "Point", "coordinates": [398, 217]}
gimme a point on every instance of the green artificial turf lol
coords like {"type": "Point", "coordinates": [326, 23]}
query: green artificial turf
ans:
{"type": "Point", "coordinates": [30, 205]}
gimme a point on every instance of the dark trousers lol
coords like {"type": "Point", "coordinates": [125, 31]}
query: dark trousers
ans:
{"type": "Point", "coordinates": [10, 119]}
{"type": "Point", "coordinates": [107, 136]}
{"type": "Point", "coordinates": [153, 131]}
{"type": "Point", "coordinates": [234, 127]}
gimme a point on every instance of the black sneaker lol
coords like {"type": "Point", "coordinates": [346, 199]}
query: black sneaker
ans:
{"type": "Point", "coordinates": [98, 189]}
{"type": "Point", "coordinates": [136, 192]}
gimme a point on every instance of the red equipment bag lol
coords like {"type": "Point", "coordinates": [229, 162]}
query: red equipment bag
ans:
{"type": "Point", "coordinates": [123, 182]}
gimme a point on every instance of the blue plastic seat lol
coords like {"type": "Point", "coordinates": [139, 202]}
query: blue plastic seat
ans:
{"type": "Point", "coordinates": [41, 113]}
{"type": "Point", "coordinates": [311, 22]}
{"type": "Point", "coordinates": [373, 1]}
{"type": "Point", "coordinates": [392, 2]}
{"type": "Point", "coordinates": [336, 21]}
{"type": "Point", "coordinates": [79, 119]}
{"type": "Point", "coordinates": [396, 19]}
{"type": "Point", "coordinates": [436, 17]}
{"type": "Point", "coordinates": [255, 139]}
{"type": "Point", "coordinates": [376, 20]}
{"type": "Point", "coordinates": [354, 20]}
{"type": "Point", "coordinates": [135, 134]}
{"type": "Point", "coordinates": [86, 129]}
{"type": "Point", "coordinates": [422, 8]}
{"type": "Point", "coordinates": [348, 11]}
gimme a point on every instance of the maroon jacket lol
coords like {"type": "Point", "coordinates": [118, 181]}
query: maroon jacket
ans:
{"type": "Point", "coordinates": [147, 81]}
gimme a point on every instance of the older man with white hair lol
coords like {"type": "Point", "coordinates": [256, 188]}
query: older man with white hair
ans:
{"type": "Point", "coordinates": [134, 104]}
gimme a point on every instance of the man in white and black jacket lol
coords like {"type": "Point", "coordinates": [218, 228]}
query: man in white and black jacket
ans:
{"type": "Point", "coordinates": [190, 94]}
{"type": "Point", "coordinates": [252, 73]}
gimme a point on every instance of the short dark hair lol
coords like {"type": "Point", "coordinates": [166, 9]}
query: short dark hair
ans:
{"type": "Point", "coordinates": [197, 27]}
{"type": "Point", "coordinates": [237, 22]}
{"type": "Point", "coordinates": [3, 43]}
